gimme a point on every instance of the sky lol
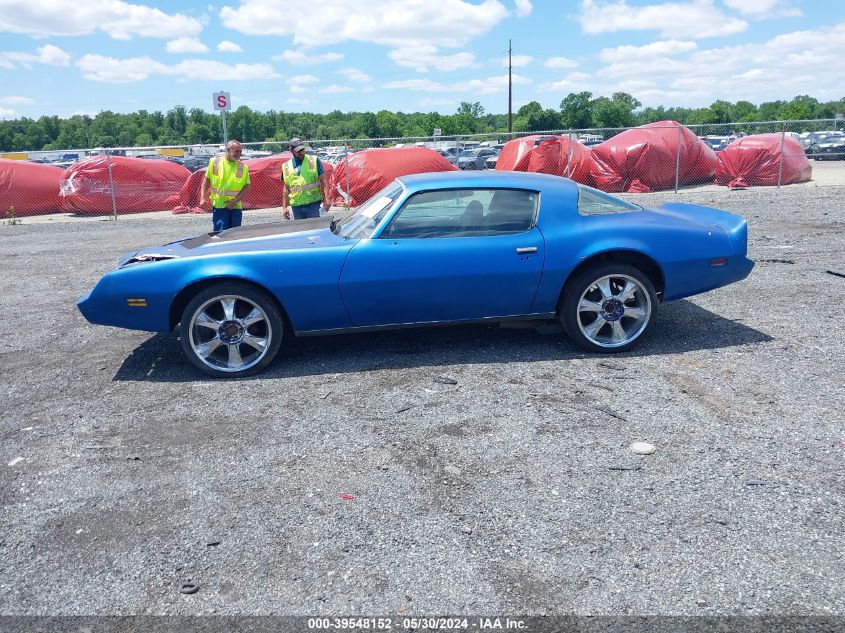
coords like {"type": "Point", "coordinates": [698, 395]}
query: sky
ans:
{"type": "Point", "coordinates": [65, 58]}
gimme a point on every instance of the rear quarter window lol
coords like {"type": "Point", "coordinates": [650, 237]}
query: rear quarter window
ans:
{"type": "Point", "coordinates": [594, 202]}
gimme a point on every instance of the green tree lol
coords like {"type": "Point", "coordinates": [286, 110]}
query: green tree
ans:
{"type": "Point", "coordinates": [801, 107]}
{"type": "Point", "coordinates": [744, 111]}
{"type": "Point", "coordinates": [533, 118]}
{"type": "Point", "coordinates": [198, 133]}
{"type": "Point", "coordinates": [576, 110]}
{"type": "Point", "coordinates": [618, 111]}
{"type": "Point", "coordinates": [143, 140]}
{"type": "Point", "coordinates": [769, 110]}
{"type": "Point", "coordinates": [388, 124]}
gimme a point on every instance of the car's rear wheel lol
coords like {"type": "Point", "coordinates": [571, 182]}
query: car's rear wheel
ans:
{"type": "Point", "coordinates": [608, 307]}
{"type": "Point", "coordinates": [231, 330]}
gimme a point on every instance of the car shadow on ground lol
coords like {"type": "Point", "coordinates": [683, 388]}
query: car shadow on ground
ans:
{"type": "Point", "coordinates": [681, 326]}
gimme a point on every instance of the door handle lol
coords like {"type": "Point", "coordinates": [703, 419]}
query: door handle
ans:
{"type": "Point", "coordinates": [526, 250]}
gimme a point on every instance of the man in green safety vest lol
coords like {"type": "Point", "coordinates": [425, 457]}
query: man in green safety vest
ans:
{"type": "Point", "coordinates": [227, 180]}
{"type": "Point", "coordinates": [305, 184]}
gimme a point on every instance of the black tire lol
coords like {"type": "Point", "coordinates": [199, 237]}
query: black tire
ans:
{"type": "Point", "coordinates": [625, 323]}
{"type": "Point", "coordinates": [239, 343]}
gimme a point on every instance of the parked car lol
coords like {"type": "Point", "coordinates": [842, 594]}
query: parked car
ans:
{"type": "Point", "coordinates": [718, 143]}
{"type": "Point", "coordinates": [550, 248]}
{"type": "Point", "coordinates": [475, 158]}
{"type": "Point", "coordinates": [827, 147]}
{"type": "Point", "coordinates": [194, 163]}
{"type": "Point", "coordinates": [449, 153]}
{"type": "Point", "coordinates": [589, 140]}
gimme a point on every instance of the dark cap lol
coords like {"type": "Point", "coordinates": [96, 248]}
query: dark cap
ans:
{"type": "Point", "coordinates": [296, 144]}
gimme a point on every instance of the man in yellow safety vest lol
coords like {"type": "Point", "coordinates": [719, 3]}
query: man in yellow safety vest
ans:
{"type": "Point", "coordinates": [227, 180]}
{"type": "Point", "coordinates": [305, 184]}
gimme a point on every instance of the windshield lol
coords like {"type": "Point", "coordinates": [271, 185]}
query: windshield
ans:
{"type": "Point", "coordinates": [361, 224]}
{"type": "Point", "coordinates": [469, 152]}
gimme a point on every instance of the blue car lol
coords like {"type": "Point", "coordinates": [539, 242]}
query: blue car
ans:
{"type": "Point", "coordinates": [428, 249]}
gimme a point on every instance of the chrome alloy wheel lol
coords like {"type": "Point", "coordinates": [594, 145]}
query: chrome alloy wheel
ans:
{"type": "Point", "coordinates": [614, 310]}
{"type": "Point", "coordinates": [229, 333]}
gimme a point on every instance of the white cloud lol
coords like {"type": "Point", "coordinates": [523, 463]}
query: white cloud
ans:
{"type": "Point", "coordinates": [417, 29]}
{"type": "Point", "coordinates": [654, 50]}
{"type": "Point", "coordinates": [692, 19]}
{"type": "Point", "coordinates": [436, 101]}
{"type": "Point", "coordinates": [422, 57]}
{"type": "Point", "coordinates": [764, 8]}
{"type": "Point", "coordinates": [16, 100]}
{"type": "Point", "coordinates": [118, 19]}
{"type": "Point", "coordinates": [560, 62]}
{"type": "Point", "coordinates": [229, 47]}
{"type": "Point", "coordinates": [112, 70]}
{"type": "Point", "coordinates": [424, 85]}
{"type": "Point", "coordinates": [299, 83]}
{"type": "Point", "coordinates": [7, 113]}
{"type": "Point", "coordinates": [517, 61]}
{"type": "Point", "coordinates": [301, 57]}
{"type": "Point", "coordinates": [186, 45]}
{"type": "Point", "coordinates": [335, 89]}
{"type": "Point", "coordinates": [473, 87]}
{"type": "Point", "coordinates": [564, 85]}
{"type": "Point", "coordinates": [755, 72]}
{"type": "Point", "coordinates": [523, 8]}
{"type": "Point", "coordinates": [48, 54]}
{"type": "Point", "coordinates": [388, 22]}
{"type": "Point", "coordinates": [53, 56]}
{"type": "Point", "coordinates": [303, 79]}
{"type": "Point", "coordinates": [353, 74]}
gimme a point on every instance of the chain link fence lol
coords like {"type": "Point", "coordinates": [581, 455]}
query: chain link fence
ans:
{"type": "Point", "coordinates": [658, 157]}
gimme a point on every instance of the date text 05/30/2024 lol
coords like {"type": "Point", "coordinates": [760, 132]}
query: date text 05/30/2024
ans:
{"type": "Point", "coordinates": [408, 623]}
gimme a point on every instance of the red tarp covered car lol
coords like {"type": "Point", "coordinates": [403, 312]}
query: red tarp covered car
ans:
{"type": "Point", "coordinates": [28, 188]}
{"type": "Point", "coordinates": [265, 188]}
{"type": "Point", "coordinates": [643, 159]}
{"type": "Point", "coordinates": [139, 185]}
{"type": "Point", "coordinates": [547, 155]}
{"type": "Point", "coordinates": [371, 170]}
{"type": "Point", "coordinates": [756, 161]}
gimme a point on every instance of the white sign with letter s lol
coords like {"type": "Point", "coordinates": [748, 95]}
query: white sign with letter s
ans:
{"type": "Point", "coordinates": [222, 101]}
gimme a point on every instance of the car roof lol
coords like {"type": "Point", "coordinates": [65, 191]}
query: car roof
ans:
{"type": "Point", "coordinates": [488, 178]}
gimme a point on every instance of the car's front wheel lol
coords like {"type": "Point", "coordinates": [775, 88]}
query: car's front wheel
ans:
{"type": "Point", "coordinates": [231, 330]}
{"type": "Point", "coordinates": [608, 307]}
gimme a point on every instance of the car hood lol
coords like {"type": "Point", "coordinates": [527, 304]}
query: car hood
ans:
{"type": "Point", "coordinates": [289, 235]}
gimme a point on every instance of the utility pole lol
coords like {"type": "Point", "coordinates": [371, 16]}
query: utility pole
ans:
{"type": "Point", "coordinates": [510, 89]}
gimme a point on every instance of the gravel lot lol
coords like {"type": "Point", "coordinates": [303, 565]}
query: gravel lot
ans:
{"type": "Point", "coordinates": [347, 480]}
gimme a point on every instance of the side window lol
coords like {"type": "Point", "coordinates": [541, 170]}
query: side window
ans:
{"type": "Point", "coordinates": [464, 213]}
{"type": "Point", "coordinates": [594, 202]}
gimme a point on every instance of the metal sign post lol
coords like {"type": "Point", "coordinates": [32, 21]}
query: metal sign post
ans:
{"type": "Point", "coordinates": [223, 102]}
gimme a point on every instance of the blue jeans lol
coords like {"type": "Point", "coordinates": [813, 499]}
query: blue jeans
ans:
{"type": "Point", "coordinates": [305, 211]}
{"type": "Point", "coordinates": [224, 218]}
